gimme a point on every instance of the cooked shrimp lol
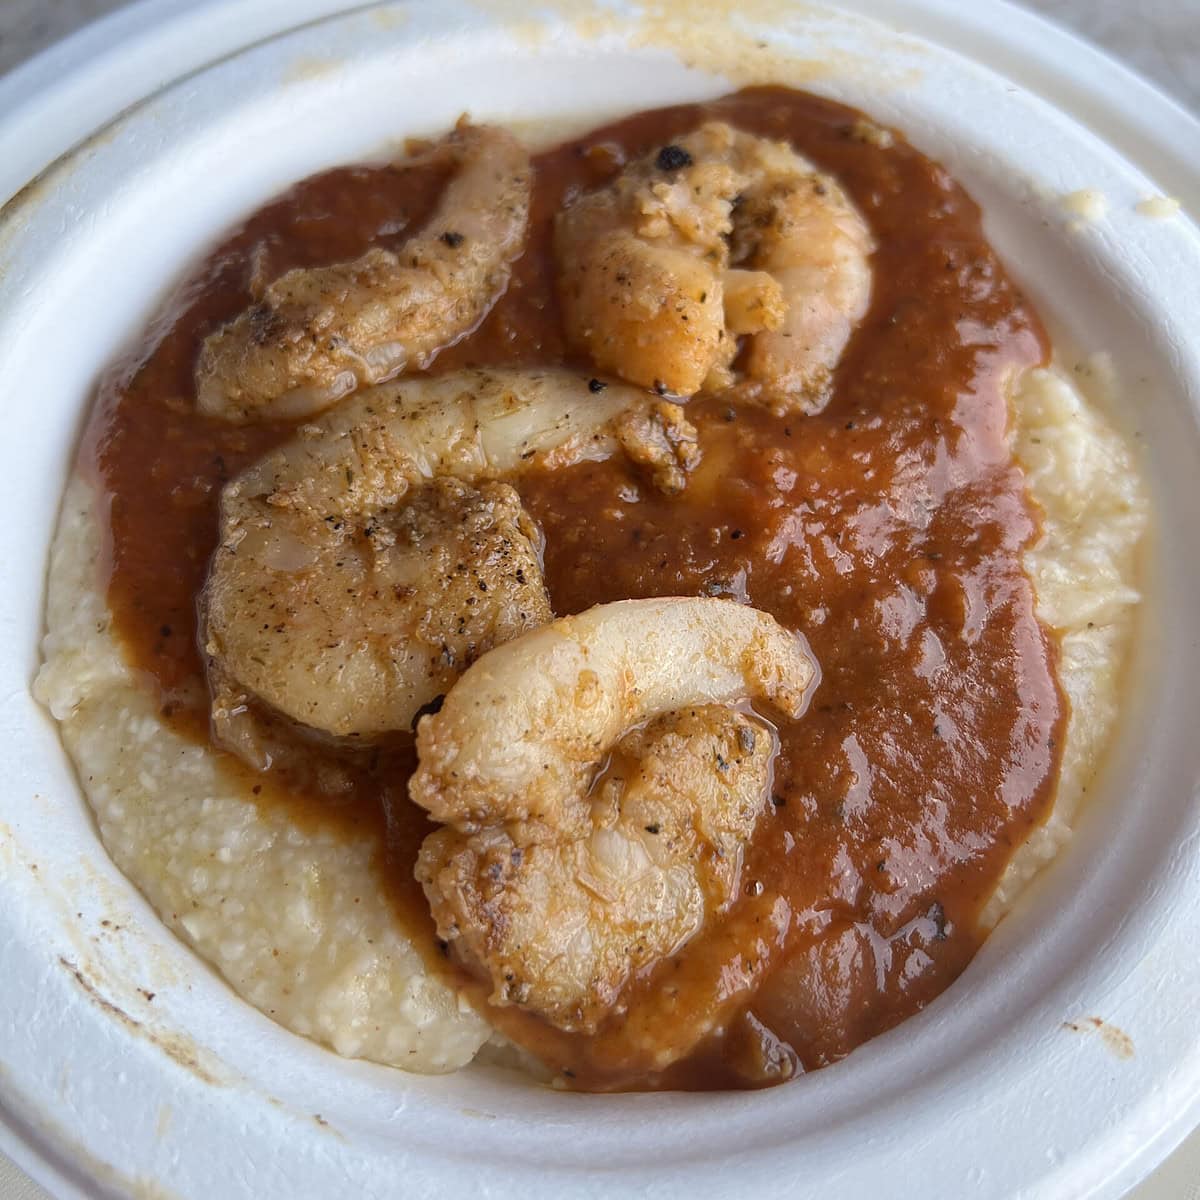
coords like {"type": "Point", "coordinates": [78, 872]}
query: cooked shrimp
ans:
{"type": "Point", "coordinates": [558, 927]}
{"type": "Point", "coordinates": [364, 564]}
{"type": "Point", "coordinates": [718, 235]}
{"type": "Point", "coordinates": [557, 887]}
{"type": "Point", "coordinates": [319, 332]}
{"type": "Point", "coordinates": [351, 628]}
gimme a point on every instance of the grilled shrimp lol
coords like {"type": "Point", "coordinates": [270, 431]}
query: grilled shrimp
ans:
{"type": "Point", "coordinates": [719, 235]}
{"type": "Point", "coordinates": [319, 332]}
{"type": "Point", "coordinates": [365, 563]}
{"type": "Point", "coordinates": [556, 879]}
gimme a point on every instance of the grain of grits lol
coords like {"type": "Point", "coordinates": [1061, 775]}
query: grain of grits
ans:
{"type": "Point", "coordinates": [273, 907]}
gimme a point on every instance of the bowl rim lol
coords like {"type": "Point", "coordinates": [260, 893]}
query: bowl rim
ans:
{"type": "Point", "coordinates": [65, 1181]}
{"type": "Point", "coordinates": [71, 90]}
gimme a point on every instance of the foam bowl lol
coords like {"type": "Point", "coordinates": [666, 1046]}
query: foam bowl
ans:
{"type": "Point", "coordinates": [987, 1093]}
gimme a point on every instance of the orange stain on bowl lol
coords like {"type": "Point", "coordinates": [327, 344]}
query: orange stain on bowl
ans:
{"type": "Point", "coordinates": [1114, 1039]}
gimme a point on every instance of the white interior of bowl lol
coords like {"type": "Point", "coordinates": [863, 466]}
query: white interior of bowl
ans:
{"type": "Point", "coordinates": [984, 1092]}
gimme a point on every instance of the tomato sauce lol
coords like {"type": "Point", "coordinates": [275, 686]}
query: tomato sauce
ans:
{"type": "Point", "coordinates": [889, 529]}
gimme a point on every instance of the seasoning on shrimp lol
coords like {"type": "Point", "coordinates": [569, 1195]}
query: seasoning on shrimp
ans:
{"type": "Point", "coordinates": [559, 927]}
{"type": "Point", "coordinates": [715, 237]}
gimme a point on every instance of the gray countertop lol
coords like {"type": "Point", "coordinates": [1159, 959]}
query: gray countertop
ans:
{"type": "Point", "coordinates": [1158, 38]}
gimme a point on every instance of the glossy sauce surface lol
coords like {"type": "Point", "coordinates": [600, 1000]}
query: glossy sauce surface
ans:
{"type": "Point", "coordinates": [888, 529]}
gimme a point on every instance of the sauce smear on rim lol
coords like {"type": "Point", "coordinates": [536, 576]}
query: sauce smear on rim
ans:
{"type": "Point", "coordinates": [889, 529]}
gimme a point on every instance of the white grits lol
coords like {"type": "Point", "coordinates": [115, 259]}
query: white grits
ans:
{"type": "Point", "coordinates": [273, 908]}
{"type": "Point", "coordinates": [1085, 573]}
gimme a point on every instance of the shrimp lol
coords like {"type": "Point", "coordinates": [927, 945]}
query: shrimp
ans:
{"type": "Point", "coordinates": [555, 879]}
{"type": "Point", "coordinates": [719, 235]}
{"type": "Point", "coordinates": [319, 332]}
{"type": "Point", "coordinates": [365, 563]}
{"type": "Point", "coordinates": [558, 927]}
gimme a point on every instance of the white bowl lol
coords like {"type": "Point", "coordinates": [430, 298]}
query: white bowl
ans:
{"type": "Point", "coordinates": [986, 1093]}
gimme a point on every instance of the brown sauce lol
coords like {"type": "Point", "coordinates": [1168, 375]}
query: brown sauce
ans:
{"type": "Point", "coordinates": [889, 529]}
